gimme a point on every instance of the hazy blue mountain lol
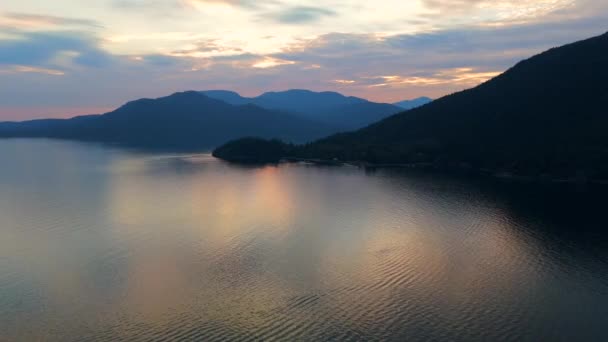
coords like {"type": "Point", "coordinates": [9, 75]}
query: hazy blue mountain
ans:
{"type": "Point", "coordinates": [344, 112]}
{"type": "Point", "coordinates": [305, 101]}
{"type": "Point", "coordinates": [228, 96]}
{"type": "Point", "coordinates": [187, 120]}
{"type": "Point", "coordinates": [415, 103]}
{"type": "Point", "coordinates": [546, 117]}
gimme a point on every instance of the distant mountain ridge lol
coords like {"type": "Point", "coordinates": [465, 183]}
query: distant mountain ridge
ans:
{"type": "Point", "coordinates": [182, 121]}
{"type": "Point", "coordinates": [195, 120]}
{"type": "Point", "coordinates": [414, 103]}
{"type": "Point", "coordinates": [335, 109]}
{"type": "Point", "coordinates": [546, 117]}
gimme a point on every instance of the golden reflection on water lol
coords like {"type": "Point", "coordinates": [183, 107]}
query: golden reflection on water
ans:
{"type": "Point", "coordinates": [210, 215]}
{"type": "Point", "coordinates": [189, 255]}
{"type": "Point", "coordinates": [262, 195]}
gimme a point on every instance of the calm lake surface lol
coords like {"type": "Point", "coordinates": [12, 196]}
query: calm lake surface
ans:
{"type": "Point", "coordinates": [106, 244]}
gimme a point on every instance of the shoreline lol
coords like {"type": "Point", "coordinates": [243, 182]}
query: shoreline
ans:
{"type": "Point", "coordinates": [466, 171]}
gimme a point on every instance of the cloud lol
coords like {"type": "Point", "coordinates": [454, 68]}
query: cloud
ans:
{"type": "Point", "coordinates": [344, 81]}
{"type": "Point", "coordinates": [247, 4]}
{"type": "Point", "coordinates": [41, 48]}
{"type": "Point", "coordinates": [13, 69]}
{"type": "Point", "coordinates": [463, 77]}
{"type": "Point", "coordinates": [34, 21]}
{"type": "Point", "coordinates": [503, 12]}
{"type": "Point", "coordinates": [491, 47]}
{"type": "Point", "coordinates": [300, 15]}
{"type": "Point", "coordinates": [208, 48]}
{"type": "Point", "coordinates": [137, 4]}
{"type": "Point", "coordinates": [271, 62]}
{"type": "Point", "coordinates": [160, 60]}
{"type": "Point", "coordinates": [171, 7]}
{"type": "Point", "coordinates": [451, 5]}
{"type": "Point", "coordinates": [446, 6]}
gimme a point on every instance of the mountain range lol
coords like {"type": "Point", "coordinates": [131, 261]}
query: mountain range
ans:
{"type": "Point", "coordinates": [545, 117]}
{"type": "Point", "coordinates": [331, 108]}
{"type": "Point", "coordinates": [182, 121]}
{"type": "Point", "coordinates": [202, 120]}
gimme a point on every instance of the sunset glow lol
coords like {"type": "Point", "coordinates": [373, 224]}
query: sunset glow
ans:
{"type": "Point", "coordinates": [127, 49]}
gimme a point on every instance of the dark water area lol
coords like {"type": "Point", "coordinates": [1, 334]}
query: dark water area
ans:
{"type": "Point", "coordinates": [105, 244]}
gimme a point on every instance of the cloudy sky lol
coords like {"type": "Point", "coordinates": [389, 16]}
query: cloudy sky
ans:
{"type": "Point", "coordinates": [65, 57]}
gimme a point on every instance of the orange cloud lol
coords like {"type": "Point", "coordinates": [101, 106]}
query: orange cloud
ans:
{"type": "Point", "coordinates": [271, 62]}
{"type": "Point", "coordinates": [33, 22]}
{"type": "Point", "coordinates": [13, 69]}
{"type": "Point", "coordinates": [455, 76]}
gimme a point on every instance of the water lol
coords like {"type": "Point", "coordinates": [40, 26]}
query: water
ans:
{"type": "Point", "coordinates": [103, 244]}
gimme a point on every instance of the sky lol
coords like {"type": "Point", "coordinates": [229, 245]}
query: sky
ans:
{"type": "Point", "coordinates": [63, 58]}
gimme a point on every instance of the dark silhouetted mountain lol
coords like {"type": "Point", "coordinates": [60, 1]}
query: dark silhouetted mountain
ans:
{"type": "Point", "coordinates": [344, 112]}
{"type": "Point", "coordinates": [415, 103]}
{"type": "Point", "coordinates": [188, 120]}
{"type": "Point", "coordinates": [547, 117]}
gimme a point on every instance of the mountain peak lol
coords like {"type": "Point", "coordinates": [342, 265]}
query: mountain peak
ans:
{"type": "Point", "coordinates": [303, 92]}
{"type": "Point", "coordinates": [328, 107]}
{"type": "Point", "coordinates": [227, 96]}
{"type": "Point", "coordinates": [414, 103]}
{"type": "Point", "coordinates": [187, 94]}
{"type": "Point", "coordinates": [220, 91]}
